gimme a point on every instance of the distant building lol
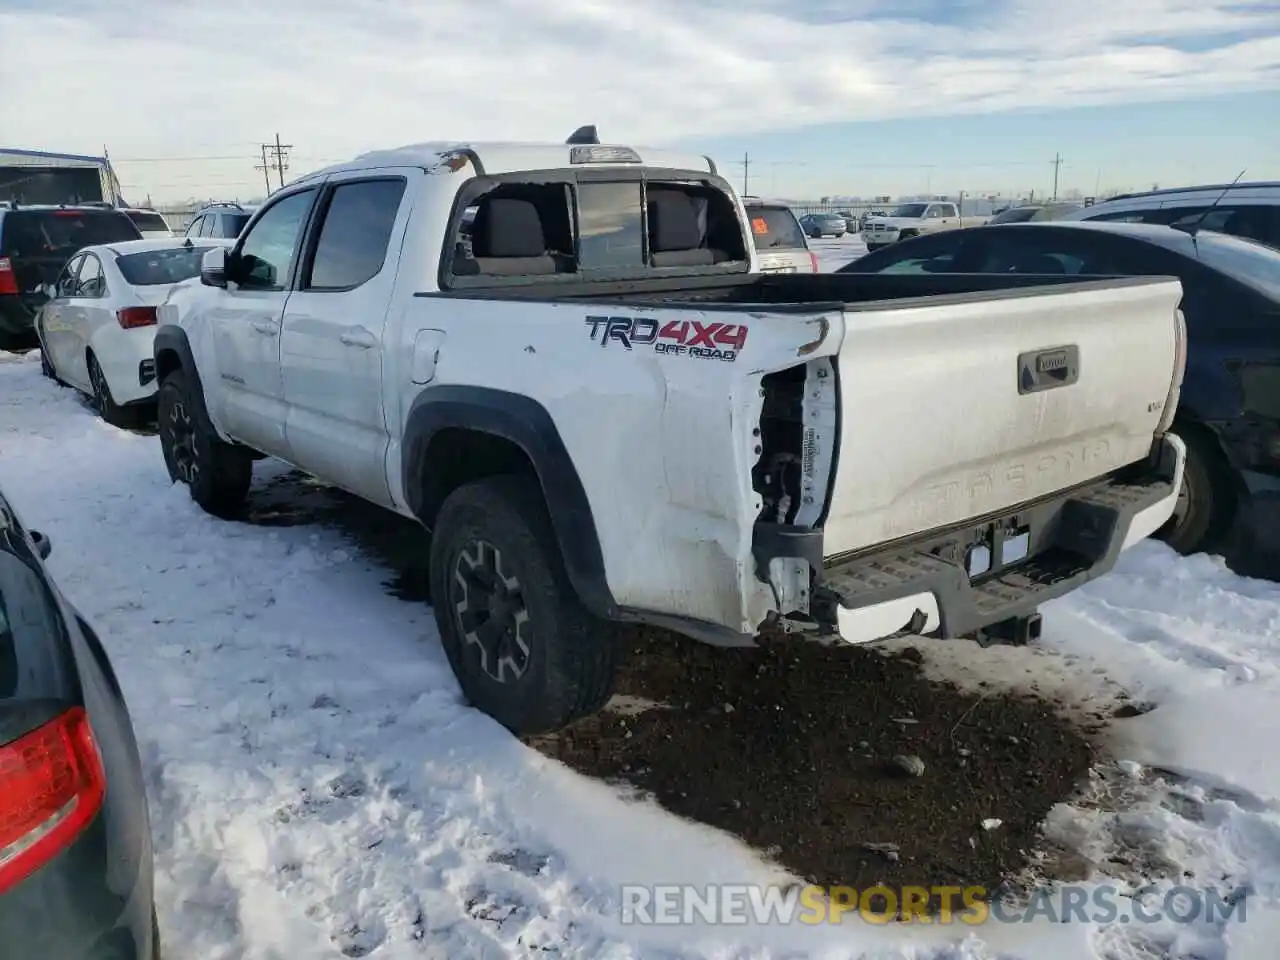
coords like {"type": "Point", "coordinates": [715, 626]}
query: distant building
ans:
{"type": "Point", "coordinates": [37, 176]}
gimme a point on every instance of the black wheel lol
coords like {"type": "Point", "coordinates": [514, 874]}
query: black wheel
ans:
{"type": "Point", "coordinates": [103, 402]}
{"type": "Point", "coordinates": [1206, 502]}
{"type": "Point", "coordinates": [522, 646]}
{"type": "Point", "coordinates": [218, 474]}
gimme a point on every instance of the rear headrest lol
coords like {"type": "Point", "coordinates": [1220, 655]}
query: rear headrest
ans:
{"type": "Point", "coordinates": [673, 222]}
{"type": "Point", "coordinates": [508, 227]}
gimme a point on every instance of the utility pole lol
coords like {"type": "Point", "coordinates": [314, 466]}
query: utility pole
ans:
{"type": "Point", "coordinates": [265, 167]}
{"type": "Point", "coordinates": [279, 159]}
{"type": "Point", "coordinates": [746, 167]}
{"type": "Point", "coordinates": [1057, 162]}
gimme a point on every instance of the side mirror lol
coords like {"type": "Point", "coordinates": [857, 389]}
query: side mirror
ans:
{"type": "Point", "coordinates": [44, 546]}
{"type": "Point", "coordinates": [213, 268]}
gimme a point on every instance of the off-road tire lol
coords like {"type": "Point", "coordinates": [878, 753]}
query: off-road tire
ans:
{"type": "Point", "coordinates": [1209, 494]}
{"type": "Point", "coordinates": [572, 655]}
{"type": "Point", "coordinates": [222, 472]}
{"type": "Point", "coordinates": [103, 402]}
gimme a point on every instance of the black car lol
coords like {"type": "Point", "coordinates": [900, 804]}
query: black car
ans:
{"type": "Point", "coordinates": [1034, 212]}
{"type": "Point", "coordinates": [1229, 412]}
{"type": "Point", "coordinates": [35, 244]}
{"type": "Point", "coordinates": [75, 836]}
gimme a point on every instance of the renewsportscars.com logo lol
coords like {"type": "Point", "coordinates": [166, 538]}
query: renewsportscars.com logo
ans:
{"type": "Point", "coordinates": [1103, 904]}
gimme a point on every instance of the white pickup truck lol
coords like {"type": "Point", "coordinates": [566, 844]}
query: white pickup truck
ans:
{"type": "Point", "coordinates": [914, 220]}
{"type": "Point", "coordinates": [559, 360]}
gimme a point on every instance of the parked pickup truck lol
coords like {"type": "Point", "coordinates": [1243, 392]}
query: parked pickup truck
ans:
{"type": "Point", "coordinates": [913, 220]}
{"type": "Point", "coordinates": [602, 414]}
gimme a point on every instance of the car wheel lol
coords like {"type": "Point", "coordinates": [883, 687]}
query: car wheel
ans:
{"type": "Point", "coordinates": [524, 649]}
{"type": "Point", "coordinates": [1206, 501]}
{"type": "Point", "coordinates": [218, 474]}
{"type": "Point", "coordinates": [103, 402]}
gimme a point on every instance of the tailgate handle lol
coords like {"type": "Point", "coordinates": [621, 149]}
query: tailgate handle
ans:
{"type": "Point", "coordinates": [1047, 369]}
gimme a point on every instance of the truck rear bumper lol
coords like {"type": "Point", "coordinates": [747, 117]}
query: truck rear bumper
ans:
{"type": "Point", "coordinates": [961, 581]}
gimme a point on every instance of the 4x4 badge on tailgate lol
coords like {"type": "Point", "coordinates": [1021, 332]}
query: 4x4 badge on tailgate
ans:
{"type": "Point", "coordinates": [1046, 369]}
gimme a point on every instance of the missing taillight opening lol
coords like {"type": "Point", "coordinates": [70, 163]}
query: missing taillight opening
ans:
{"type": "Point", "coordinates": [776, 476]}
{"type": "Point", "coordinates": [798, 425]}
{"type": "Point", "coordinates": [51, 787]}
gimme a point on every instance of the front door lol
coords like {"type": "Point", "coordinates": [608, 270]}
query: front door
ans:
{"type": "Point", "coordinates": [332, 344]}
{"type": "Point", "coordinates": [247, 319]}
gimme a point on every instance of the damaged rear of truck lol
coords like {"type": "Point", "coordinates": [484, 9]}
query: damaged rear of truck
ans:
{"type": "Point", "coordinates": [930, 455]}
{"type": "Point", "coordinates": [562, 361]}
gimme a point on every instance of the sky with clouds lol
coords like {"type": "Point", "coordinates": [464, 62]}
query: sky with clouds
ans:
{"type": "Point", "coordinates": [154, 79]}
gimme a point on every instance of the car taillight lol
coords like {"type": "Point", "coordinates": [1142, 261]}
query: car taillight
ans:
{"type": "Point", "coordinates": [132, 317]}
{"type": "Point", "coordinates": [813, 261]}
{"type": "Point", "coordinates": [8, 279]}
{"type": "Point", "coordinates": [1179, 370]}
{"type": "Point", "coordinates": [51, 787]}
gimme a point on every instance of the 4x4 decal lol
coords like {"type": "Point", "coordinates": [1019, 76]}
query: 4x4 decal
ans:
{"type": "Point", "coordinates": [690, 338]}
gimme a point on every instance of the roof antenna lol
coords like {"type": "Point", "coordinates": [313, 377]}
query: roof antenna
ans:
{"type": "Point", "coordinates": [583, 135]}
{"type": "Point", "coordinates": [1192, 228]}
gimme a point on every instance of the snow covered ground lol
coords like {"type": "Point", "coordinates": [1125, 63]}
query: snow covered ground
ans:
{"type": "Point", "coordinates": [833, 253]}
{"type": "Point", "coordinates": [318, 788]}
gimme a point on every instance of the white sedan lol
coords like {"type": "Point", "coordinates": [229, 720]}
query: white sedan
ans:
{"type": "Point", "coordinates": [96, 332]}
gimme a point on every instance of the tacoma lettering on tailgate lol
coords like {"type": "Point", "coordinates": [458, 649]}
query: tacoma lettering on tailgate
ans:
{"type": "Point", "coordinates": [688, 338]}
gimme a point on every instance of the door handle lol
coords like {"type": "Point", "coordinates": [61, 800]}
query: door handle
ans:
{"type": "Point", "coordinates": [359, 337]}
{"type": "Point", "coordinates": [265, 327]}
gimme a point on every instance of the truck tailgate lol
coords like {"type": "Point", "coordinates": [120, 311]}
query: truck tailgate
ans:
{"type": "Point", "coordinates": [957, 407]}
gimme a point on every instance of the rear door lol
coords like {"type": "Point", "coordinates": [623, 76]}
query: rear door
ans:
{"type": "Point", "coordinates": [55, 315]}
{"type": "Point", "coordinates": [86, 302]}
{"type": "Point", "coordinates": [941, 216]}
{"type": "Point", "coordinates": [332, 342]}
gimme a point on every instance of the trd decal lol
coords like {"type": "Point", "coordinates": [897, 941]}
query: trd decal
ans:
{"type": "Point", "coordinates": [704, 341]}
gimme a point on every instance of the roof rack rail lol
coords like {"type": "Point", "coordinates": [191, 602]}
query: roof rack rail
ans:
{"type": "Point", "coordinates": [224, 203]}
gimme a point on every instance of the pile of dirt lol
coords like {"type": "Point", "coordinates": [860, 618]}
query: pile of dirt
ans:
{"type": "Point", "coordinates": [807, 752]}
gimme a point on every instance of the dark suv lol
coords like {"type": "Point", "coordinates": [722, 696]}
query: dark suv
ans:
{"type": "Point", "coordinates": [35, 244]}
{"type": "Point", "coordinates": [219, 220]}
